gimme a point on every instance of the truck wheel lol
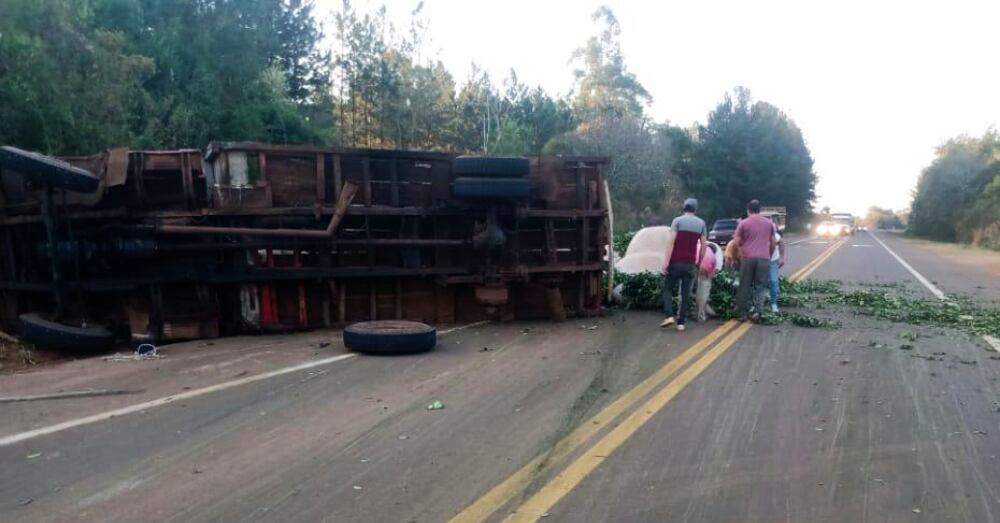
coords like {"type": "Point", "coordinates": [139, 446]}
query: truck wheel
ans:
{"type": "Point", "coordinates": [390, 337]}
{"type": "Point", "coordinates": [37, 329]}
{"type": "Point", "coordinates": [46, 170]}
{"type": "Point", "coordinates": [492, 166]}
{"type": "Point", "coordinates": [502, 188]}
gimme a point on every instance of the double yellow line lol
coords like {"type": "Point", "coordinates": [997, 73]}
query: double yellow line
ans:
{"type": "Point", "coordinates": [804, 272]}
{"type": "Point", "coordinates": [663, 390]}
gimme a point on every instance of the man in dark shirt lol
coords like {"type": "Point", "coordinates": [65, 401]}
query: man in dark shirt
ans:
{"type": "Point", "coordinates": [682, 266]}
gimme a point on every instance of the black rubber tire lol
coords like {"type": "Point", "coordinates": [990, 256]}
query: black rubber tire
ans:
{"type": "Point", "coordinates": [492, 166]}
{"type": "Point", "coordinates": [46, 170]}
{"type": "Point", "coordinates": [496, 188]}
{"type": "Point", "coordinates": [390, 337]}
{"type": "Point", "coordinates": [39, 330]}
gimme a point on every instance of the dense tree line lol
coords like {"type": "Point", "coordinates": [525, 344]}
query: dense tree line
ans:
{"type": "Point", "coordinates": [879, 218]}
{"type": "Point", "coordinates": [958, 195]}
{"type": "Point", "coordinates": [78, 76]}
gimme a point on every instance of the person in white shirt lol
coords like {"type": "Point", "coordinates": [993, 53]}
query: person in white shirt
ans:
{"type": "Point", "coordinates": [777, 262]}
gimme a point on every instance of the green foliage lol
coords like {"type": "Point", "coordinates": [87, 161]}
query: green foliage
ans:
{"type": "Point", "coordinates": [804, 320]}
{"type": "Point", "coordinates": [79, 76]}
{"type": "Point", "coordinates": [958, 195]}
{"type": "Point", "coordinates": [956, 313]}
{"type": "Point", "coordinates": [621, 241]}
{"type": "Point", "coordinates": [749, 150]}
{"type": "Point", "coordinates": [641, 291]}
{"type": "Point", "coordinates": [879, 218]}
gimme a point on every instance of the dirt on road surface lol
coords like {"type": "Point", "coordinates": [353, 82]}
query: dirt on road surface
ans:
{"type": "Point", "coordinates": [607, 419]}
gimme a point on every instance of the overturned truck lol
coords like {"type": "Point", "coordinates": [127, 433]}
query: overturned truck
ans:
{"type": "Point", "coordinates": [249, 237]}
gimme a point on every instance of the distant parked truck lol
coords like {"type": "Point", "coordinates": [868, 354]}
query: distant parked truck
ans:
{"type": "Point", "coordinates": [777, 215]}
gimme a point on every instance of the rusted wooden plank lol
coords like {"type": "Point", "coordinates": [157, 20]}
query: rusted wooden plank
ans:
{"type": "Point", "coordinates": [394, 178]}
{"type": "Point", "coordinates": [581, 188]}
{"type": "Point", "coordinates": [551, 254]}
{"type": "Point", "coordinates": [366, 184]}
{"type": "Point", "coordinates": [187, 180]}
{"type": "Point", "coordinates": [262, 161]}
{"type": "Point", "coordinates": [338, 181]}
{"type": "Point", "coordinates": [320, 179]}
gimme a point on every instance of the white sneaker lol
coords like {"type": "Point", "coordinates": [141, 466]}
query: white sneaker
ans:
{"type": "Point", "coordinates": [668, 321]}
{"type": "Point", "coordinates": [774, 308]}
{"type": "Point", "coordinates": [680, 327]}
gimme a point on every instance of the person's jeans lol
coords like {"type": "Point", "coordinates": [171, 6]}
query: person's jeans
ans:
{"type": "Point", "coordinates": [702, 293]}
{"type": "Point", "coordinates": [753, 285]}
{"type": "Point", "coordinates": [774, 282]}
{"type": "Point", "coordinates": [683, 273]}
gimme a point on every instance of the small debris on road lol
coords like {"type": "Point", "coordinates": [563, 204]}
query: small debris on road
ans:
{"type": "Point", "coordinates": [590, 353]}
{"type": "Point", "coordinates": [324, 344]}
{"type": "Point", "coordinates": [35, 455]}
{"type": "Point", "coordinates": [916, 511]}
{"type": "Point", "coordinates": [357, 487]}
{"type": "Point", "coordinates": [145, 351]}
{"type": "Point", "coordinates": [437, 405]}
{"type": "Point", "coordinates": [26, 501]}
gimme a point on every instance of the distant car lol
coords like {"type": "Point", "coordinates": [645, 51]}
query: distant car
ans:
{"type": "Point", "coordinates": [722, 231]}
{"type": "Point", "coordinates": [846, 220]}
{"type": "Point", "coordinates": [832, 229]}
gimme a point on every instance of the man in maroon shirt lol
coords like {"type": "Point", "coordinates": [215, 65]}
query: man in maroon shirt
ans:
{"type": "Point", "coordinates": [682, 267]}
{"type": "Point", "coordinates": [755, 239]}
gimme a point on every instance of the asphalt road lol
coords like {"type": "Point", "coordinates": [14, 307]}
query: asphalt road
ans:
{"type": "Point", "coordinates": [607, 419]}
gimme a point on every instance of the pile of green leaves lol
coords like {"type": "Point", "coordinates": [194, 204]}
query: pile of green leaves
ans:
{"type": "Point", "coordinates": [644, 291]}
{"type": "Point", "coordinates": [958, 313]}
{"type": "Point", "coordinates": [641, 291]}
{"type": "Point", "coordinates": [621, 241]}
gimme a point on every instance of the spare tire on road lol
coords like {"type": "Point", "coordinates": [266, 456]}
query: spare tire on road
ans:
{"type": "Point", "coordinates": [390, 337]}
{"type": "Point", "coordinates": [38, 329]}
{"type": "Point", "coordinates": [45, 170]}
{"type": "Point", "coordinates": [492, 166]}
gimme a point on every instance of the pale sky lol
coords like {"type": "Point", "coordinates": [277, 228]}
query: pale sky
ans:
{"type": "Point", "coordinates": [875, 86]}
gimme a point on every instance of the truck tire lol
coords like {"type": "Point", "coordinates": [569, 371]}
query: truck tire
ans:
{"type": "Point", "coordinates": [496, 188]}
{"type": "Point", "coordinates": [492, 166]}
{"type": "Point", "coordinates": [48, 171]}
{"type": "Point", "coordinates": [37, 329]}
{"type": "Point", "coordinates": [390, 337]}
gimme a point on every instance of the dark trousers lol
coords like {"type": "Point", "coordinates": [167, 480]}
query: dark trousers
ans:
{"type": "Point", "coordinates": [685, 274]}
{"type": "Point", "coordinates": [753, 285]}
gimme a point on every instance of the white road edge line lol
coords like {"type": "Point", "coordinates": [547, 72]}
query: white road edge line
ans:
{"type": "Point", "coordinates": [920, 277]}
{"type": "Point", "coordinates": [132, 409]}
{"type": "Point", "coordinates": [992, 341]}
